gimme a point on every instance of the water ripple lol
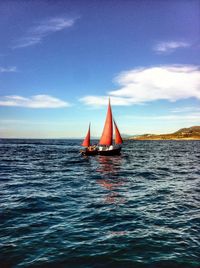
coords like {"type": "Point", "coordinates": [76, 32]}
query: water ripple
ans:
{"type": "Point", "coordinates": [139, 209]}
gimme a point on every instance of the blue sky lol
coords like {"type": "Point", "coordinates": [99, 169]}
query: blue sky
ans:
{"type": "Point", "coordinates": [60, 60]}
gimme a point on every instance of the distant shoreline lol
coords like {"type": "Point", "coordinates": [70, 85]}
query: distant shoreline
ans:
{"type": "Point", "coordinates": [184, 134]}
{"type": "Point", "coordinates": [192, 133]}
{"type": "Point", "coordinates": [164, 139]}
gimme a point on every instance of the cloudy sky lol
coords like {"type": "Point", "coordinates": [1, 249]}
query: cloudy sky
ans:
{"type": "Point", "coordinates": [60, 60]}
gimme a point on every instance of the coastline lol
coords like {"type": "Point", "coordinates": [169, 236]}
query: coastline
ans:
{"type": "Point", "coordinates": [185, 134]}
{"type": "Point", "coordinates": [164, 139]}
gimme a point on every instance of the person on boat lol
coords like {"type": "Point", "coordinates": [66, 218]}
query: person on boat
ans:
{"type": "Point", "coordinates": [91, 148]}
{"type": "Point", "coordinates": [110, 147]}
{"type": "Point", "coordinates": [101, 148]}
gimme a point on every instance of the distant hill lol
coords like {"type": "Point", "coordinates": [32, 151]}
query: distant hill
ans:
{"type": "Point", "coordinates": [191, 133]}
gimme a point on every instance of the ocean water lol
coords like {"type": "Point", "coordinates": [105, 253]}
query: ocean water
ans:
{"type": "Point", "coordinates": [139, 209]}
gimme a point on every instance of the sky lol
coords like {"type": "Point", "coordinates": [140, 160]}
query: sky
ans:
{"type": "Point", "coordinates": [61, 60]}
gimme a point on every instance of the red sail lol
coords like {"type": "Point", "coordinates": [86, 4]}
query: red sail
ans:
{"type": "Point", "coordinates": [118, 138]}
{"type": "Point", "coordinates": [86, 141]}
{"type": "Point", "coordinates": [107, 135]}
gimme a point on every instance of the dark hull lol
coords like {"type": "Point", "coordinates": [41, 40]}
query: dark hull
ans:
{"type": "Point", "coordinates": [89, 152]}
{"type": "Point", "coordinates": [104, 152]}
{"type": "Point", "coordinates": [110, 152]}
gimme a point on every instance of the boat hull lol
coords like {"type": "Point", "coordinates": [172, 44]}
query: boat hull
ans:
{"type": "Point", "coordinates": [110, 152]}
{"type": "Point", "coordinates": [103, 152]}
{"type": "Point", "coordinates": [87, 152]}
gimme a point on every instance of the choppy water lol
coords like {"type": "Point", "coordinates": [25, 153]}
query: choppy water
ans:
{"type": "Point", "coordinates": [59, 209]}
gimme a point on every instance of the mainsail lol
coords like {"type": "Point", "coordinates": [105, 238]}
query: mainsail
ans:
{"type": "Point", "coordinates": [118, 138]}
{"type": "Point", "coordinates": [107, 135]}
{"type": "Point", "coordinates": [86, 141]}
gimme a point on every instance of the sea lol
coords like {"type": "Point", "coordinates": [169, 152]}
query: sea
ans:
{"type": "Point", "coordinates": [61, 209]}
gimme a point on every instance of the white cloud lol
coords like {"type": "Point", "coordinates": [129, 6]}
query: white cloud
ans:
{"type": "Point", "coordinates": [36, 101]}
{"type": "Point", "coordinates": [44, 28]}
{"type": "Point", "coordinates": [186, 109]}
{"type": "Point", "coordinates": [170, 46]}
{"type": "Point", "coordinates": [8, 69]}
{"type": "Point", "coordinates": [103, 100]}
{"type": "Point", "coordinates": [141, 85]}
{"type": "Point", "coordinates": [28, 122]}
{"type": "Point", "coordinates": [191, 117]}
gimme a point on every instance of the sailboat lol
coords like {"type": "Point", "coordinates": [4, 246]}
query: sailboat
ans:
{"type": "Point", "coordinates": [90, 150]}
{"type": "Point", "coordinates": [105, 145]}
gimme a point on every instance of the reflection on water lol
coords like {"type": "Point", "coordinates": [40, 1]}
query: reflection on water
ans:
{"type": "Point", "coordinates": [118, 233]}
{"type": "Point", "coordinates": [114, 198]}
{"type": "Point", "coordinates": [109, 185]}
{"type": "Point", "coordinates": [110, 167]}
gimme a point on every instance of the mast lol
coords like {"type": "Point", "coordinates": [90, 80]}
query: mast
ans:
{"type": "Point", "coordinates": [118, 138]}
{"type": "Point", "coordinates": [86, 142]}
{"type": "Point", "coordinates": [107, 135]}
